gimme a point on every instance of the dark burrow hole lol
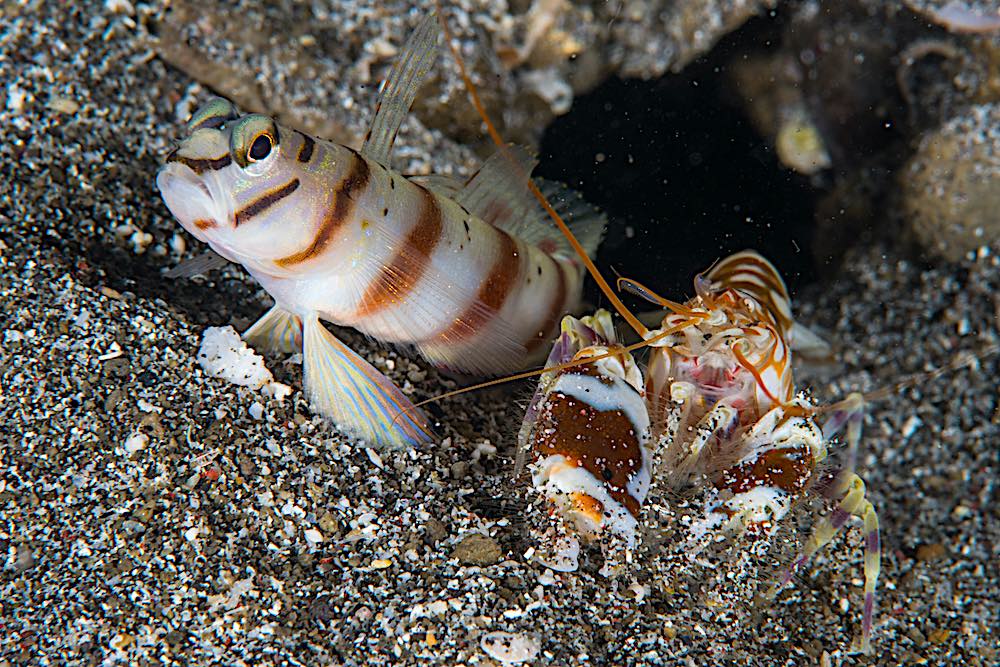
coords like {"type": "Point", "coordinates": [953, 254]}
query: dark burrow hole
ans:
{"type": "Point", "coordinates": [682, 175]}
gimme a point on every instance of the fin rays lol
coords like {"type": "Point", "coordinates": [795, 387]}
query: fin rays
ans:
{"type": "Point", "coordinates": [361, 401]}
{"type": "Point", "coordinates": [400, 90]}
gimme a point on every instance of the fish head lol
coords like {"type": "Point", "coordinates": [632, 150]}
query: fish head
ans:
{"type": "Point", "coordinates": [235, 183]}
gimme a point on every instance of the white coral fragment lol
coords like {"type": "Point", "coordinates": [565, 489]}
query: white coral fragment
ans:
{"type": "Point", "coordinates": [223, 354]}
{"type": "Point", "coordinates": [510, 648]}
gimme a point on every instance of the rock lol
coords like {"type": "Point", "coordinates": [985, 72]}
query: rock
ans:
{"type": "Point", "coordinates": [434, 531]}
{"type": "Point", "coordinates": [950, 190]}
{"type": "Point", "coordinates": [934, 551]}
{"type": "Point", "coordinates": [24, 558]}
{"type": "Point", "coordinates": [478, 549]}
{"type": "Point", "coordinates": [539, 56]}
{"type": "Point", "coordinates": [459, 469]}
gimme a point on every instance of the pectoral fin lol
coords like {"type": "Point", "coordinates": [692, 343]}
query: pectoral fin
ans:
{"type": "Point", "coordinates": [277, 331]}
{"type": "Point", "coordinates": [360, 400]}
{"type": "Point", "coordinates": [809, 344]}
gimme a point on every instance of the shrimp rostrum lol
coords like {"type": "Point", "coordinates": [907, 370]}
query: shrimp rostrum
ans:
{"type": "Point", "coordinates": [718, 410]}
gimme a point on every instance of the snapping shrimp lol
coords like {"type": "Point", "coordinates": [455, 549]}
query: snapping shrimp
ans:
{"type": "Point", "coordinates": [718, 406]}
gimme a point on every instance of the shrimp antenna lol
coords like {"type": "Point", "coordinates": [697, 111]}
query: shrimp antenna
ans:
{"type": "Point", "coordinates": [502, 146]}
{"type": "Point", "coordinates": [640, 290]}
{"type": "Point", "coordinates": [555, 369]}
{"type": "Point", "coordinates": [961, 360]}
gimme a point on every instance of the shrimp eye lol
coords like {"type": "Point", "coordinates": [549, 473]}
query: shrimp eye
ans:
{"type": "Point", "coordinates": [260, 148]}
{"type": "Point", "coordinates": [254, 137]}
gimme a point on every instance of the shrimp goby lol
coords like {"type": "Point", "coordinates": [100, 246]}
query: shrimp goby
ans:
{"type": "Point", "coordinates": [469, 274]}
{"type": "Point", "coordinates": [587, 436]}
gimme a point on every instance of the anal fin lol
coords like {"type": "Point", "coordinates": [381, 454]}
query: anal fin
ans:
{"type": "Point", "coordinates": [197, 265]}
{"type": "Point", "coordinates": [276, 331]}
{"type": "Point", "coordinates": [357, 397]}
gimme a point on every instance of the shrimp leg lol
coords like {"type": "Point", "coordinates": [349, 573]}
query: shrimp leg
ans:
{"type": "Point", "coordinates": [848, 490]}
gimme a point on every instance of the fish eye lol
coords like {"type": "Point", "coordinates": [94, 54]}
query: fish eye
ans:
{"type": "Point", "coordinates": [253, 139]}
{"type": "Point", "coordinates": [260, 148]}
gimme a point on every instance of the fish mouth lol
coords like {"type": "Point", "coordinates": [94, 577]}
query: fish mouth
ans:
{"type": "Point", "coordinates": [187, 196]}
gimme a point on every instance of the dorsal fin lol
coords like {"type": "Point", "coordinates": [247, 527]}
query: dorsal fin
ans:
{"type": "Point", "coordinates": [585, 221]}
{"type": "Point", "coordinates": [498, 193]}
{"type": "Point", "coordinates": [446, 186]}
{"type": "Point", "coordinates": [400, 89]}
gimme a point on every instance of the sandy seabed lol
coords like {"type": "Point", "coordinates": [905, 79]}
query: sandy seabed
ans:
{"type": "Point", "coordinates": [147, 516]}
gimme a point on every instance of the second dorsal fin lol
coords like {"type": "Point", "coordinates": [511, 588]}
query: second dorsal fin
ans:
{"type": "Point", "coordinates": [400, 89]}
{"type": "Point", "coordinates": [499, 194]}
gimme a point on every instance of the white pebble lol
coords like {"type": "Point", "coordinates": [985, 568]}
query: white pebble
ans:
{"type": "Point", "coordinates": [119, 7]}
{"type": "Point", "coordinates": [136, 442]}
{"type": "Point", "coordinates": [82, 320]}
{"type": "Point", "coordinates": [910, 427]}
{"type": "Point", "coordinates": [374, 457]}
{"type": "Point", "coordinates": [276, 390]}
{"type": "Point", "coordinates": [224, 354]}
{"type": "Point", "coordinates": [313, 536]}
{"type": "Point", "coordinates": [177, 244]}
{"type": "Point", "coordinates": [256, 411]}
{"type": "Point", "coordinates": [510, 648]}
{"type": "Point", "coordinates": [191, 534]}
{"type": "Point", "coordinates": [641, 592]}
{"type": "Point", "coordinates": [140, 240]}
{"type": "Point", "coordinates": [63, 105]}
{"type": "Point", "coordinates": [484, 449]}
{"type": "Point", "coordinates": [438, 607]}
{"type": "Point", "coordinates": [146, 406]}
{"type": "Point", "coordinates": [15, 98]}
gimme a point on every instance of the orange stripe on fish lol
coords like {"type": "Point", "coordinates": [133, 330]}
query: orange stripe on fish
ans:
{"type": "Point", "coordinates": [493, 291]}
{"type": "Point", "coordinates": [200, 165]}
{"type": "Point", "coordinates": [557, 307]}
{"type": "Point", "coordinates": [401, 275]}
{"type": "Point", "coordinates": [336, 215]}
{"type": "Point", "coordinates": [306, 150]}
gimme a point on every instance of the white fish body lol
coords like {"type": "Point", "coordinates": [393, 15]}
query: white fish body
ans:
{"type": "Point", "coordinates": [470, 274]}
